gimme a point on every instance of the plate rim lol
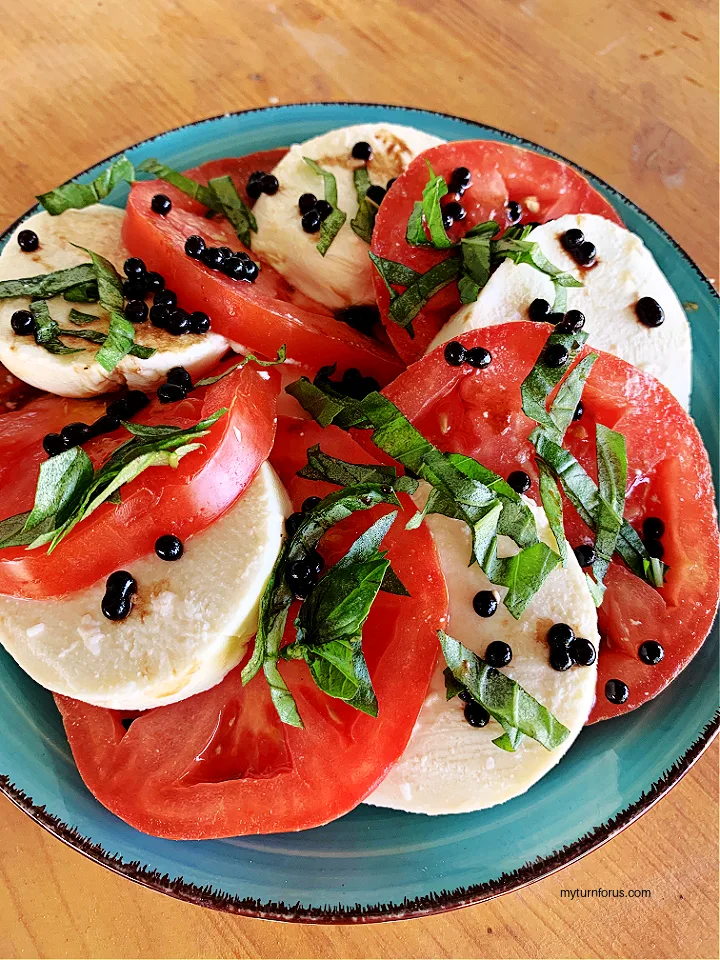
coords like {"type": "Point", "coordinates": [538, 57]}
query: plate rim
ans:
{"type": "Point", "coordinates": [428, 904]}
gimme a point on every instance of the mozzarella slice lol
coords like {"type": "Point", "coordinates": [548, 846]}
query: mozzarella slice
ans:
{"type": "Point", "coordinates": [189, 625]}
{"type": "Point", "coordinates": [624, 271]}
{"type": "Point", "coordinates": [343, 277]}
{"type": "Point", "coordinates": [451, 767]}
{"type": "Point", "coordinates": [78, 375]}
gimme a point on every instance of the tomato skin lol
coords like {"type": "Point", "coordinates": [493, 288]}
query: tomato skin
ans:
{"type": "Point", "coordinates": [478, 413]}
{"type": "Point", "coordinates": [501, 172]}
{"type": "Point", "coordinates": [221, 763]}
{"type": "Point", "coordinates": [259, 316]}
{"type": "Point", "coordinates": [185, 500]}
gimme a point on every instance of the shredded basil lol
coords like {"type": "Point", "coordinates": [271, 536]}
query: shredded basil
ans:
{"type": "Point", "coordinates": [364, 221]}
{"type": "Point", "coordinates": [46, 285]}
{"type": "Point", "coordinates": [435, 189]}
{"type": "Point", "coordinates": [552, 505]}
{"type": "Point", "coordinates": [47, 330]}
{"type": "Point", "coordinates": [234, 208]}
{"type": "Point", "coordinates": [250, 358]}
{"type": "Point", "coordinates": [564, 405]}
{"type": "Point", "coordinates": [612, 482]}
{"type": "Point", "coordinates": [332, 224]}
{"type": "Point", "coordinates": [529, 252]}
{"type": "Point", "coordinates": [543, 378]}
{"type": "Point", "coordinates": [192, 188]}
{"type": "Point", "coordinates": [82, 293]}
{"type": "Point", "coordinates": [408, 305]}
{"type": "Point", "coordinates": [80, 319]}
{"type": "Point", "coordinates": [74, 196]}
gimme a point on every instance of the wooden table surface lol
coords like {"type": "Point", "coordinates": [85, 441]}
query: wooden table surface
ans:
{"type": "Point", "coordinates": [627, 88]}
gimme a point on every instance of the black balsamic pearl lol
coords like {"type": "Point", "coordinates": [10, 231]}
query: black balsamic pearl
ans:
{"type": "Point", "coordinates": [293, 522]}
{"type": "Point", "coordinates": [136, 311]}
{"type": "Point", "coordinates": [194, 246]}
{"type": "Point", "coordinates": [226, 253]}
{"type": "Point", "coordinates": [572, 322]}
{"type": "Point", "coordinates": [75, 434]}
{"type": "Point", "coordinates": [250, 271]}
{"type": "Point", "coordinates": [651, 652]}
{"type": "Point", "coordinates": [181, 377]}
{"type": "Point", "coordinates": [311, 221]}
{"type": "Point", "coordinates": [454, 353]}
{"type": "Point", "coordinates": [585, 254]}
{"type": "Point", "coordinates": [170, 393]}
{"type": "Point", "coordinates": [168, 297]}
{"type": "Point", "coordinates": [212, 258]}
{"type": "Point", "coordinates": [53, 444]}
{"type": "Point", "coordinates": [514, 212]}
{"type": "Point", "coordinates": [485, 603]}
{"type": "Point", "coordinates": [135, 401]}
{"type": "Point", "coordinates": [519, 481]}
{"type": "Point", "coordinates": [234, 268]}
{"type": "Point", "coordinates": [585, 554]}
{"type": "Point", "coordinates": [310, 503]}
{"type": "Point", "coordinates": [323, 209]}
{"type": "Point", "coordinates": [560, 635]}
{"type": "Point", "coordinates": [616, 691]}
{"type": "Point", "coordinates": [572, 239]}
{"type": "Point", "coordinates": [654, 548]}
{"type": "Point", "coordinates": [28, 241]}
{"type": "Point", "coordinates": [556, 355]}
{"type": "Point", "coordinates": [134, 289]}
{"type": "Point", "coordinates": [539, 310]}
{"type": "Point", "coordinates": [269, 184]}
{"type": "Point", "coordinates": [455, 210]}
{"type": "Point", "coordinates": [104, 424]}
{"type": "Point", "coordinates": [159, 315]}
{"type": "Point", "coordinates": [376, 193]}
{"type": "Point", "coordinates": [555, 318]}
{"type": "Point", "coordinates": [22, 323]}
{"type": "Point", "coordinates": [134, 268]}
{"type": "Point", "coordinates": [307, 202]}
{"type": "Point", "coordinates": [465, 696]}
{"type": "Point", "coordinates": [301, 577]}
{"type": "Point", "coordinates": [199, 322]}
{"type": "Point", "coordinates": [169, 547]}
{"type": "Point", "coordinates": [361, 318]}
{"type": "Point", "coordinates": [560, 659]}
{"type": "Point", "coordinates": [118, 409]}
{"type": "Point", "coordinates": [478, 357]}
{"type": "Point", "coordinates": [362, 151]}
{"type": "Point", "coordinates": [498, 654]}
{"type": "Point", "coordinates": [447, 219]}
{"type": "Point", "coordinates": [119, 589]}
{"type": "Point", "coordinates": [316, 562]}
{"type": "Point", "coordinates": [460, 180]}
{"type": "Point", "coordinates": [178, 322]}
{"type": "Point", "coordinates": [121, 583]}
{"type": "Point", "coordinates": [583, 652]}
{"type": "Point", "coordinates": [579, 411]}
{"type": "Point", "coordinates": [154, 281]}
{"type": "Point", "coordinates": [161, 204]}
{"type": "Point", "coordinates": [390, 182]}
{"type": "Point", "coordinates": [649, 312]}
{"type": "Point", "coordinates": [653, 528]}
{"type": "Point", "coordinates": [476, 715]}
{"type": "Point", "coordinates": [254, 184]}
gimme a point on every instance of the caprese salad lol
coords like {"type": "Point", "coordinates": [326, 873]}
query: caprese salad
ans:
{"type": "Point", "coordinates": [359, 471]}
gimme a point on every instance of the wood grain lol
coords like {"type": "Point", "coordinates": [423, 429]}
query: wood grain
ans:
{"type": "Point", "coordinates": [628, 90]}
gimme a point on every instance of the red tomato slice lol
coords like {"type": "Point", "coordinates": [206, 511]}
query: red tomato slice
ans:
{"type": "Point", "coordinates": [161, 500]}
{"type": "Point", "coordinates": [221, 764]}
{"type": "Point", "coordinates": [258, 316]}
{"type": "Point", "coordinates": [545, 188]}
{"type": "Point", "coordinates": [478, 413]}
{"type": "Point", "coordinates": [14, 393]}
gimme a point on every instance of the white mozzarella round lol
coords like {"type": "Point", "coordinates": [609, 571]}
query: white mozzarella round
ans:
{"type": "Point", "coordinates": [343, 277]}
{"type": "Point", "coordinates": [449, 766]}
{"type": "Point", "coordinates": [189, 625]}
{"type": "Point", "coordinates": [78, 375]}
{"type": "Point", "coordinates": [624, 272]}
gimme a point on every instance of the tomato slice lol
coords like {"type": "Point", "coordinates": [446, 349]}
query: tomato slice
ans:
{"type": "Point", "coordinates": [221, 764]}
{"type": "Point", "coordinates": [258, 316]}
{"type": "Point", "coordinates": [479, 413]}
{"type": "Point", "coordinates": [544, 187]}
{"type": "Point", "coordinates": [183, 501]}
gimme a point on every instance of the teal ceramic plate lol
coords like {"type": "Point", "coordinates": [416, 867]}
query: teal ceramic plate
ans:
{"type": "Point", "coordinates": [377, 864]}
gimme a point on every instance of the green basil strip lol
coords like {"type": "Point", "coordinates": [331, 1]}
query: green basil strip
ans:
{"type": "Point", "coordinates": [543, 378]}
{"type": "Point", "coordinates": [435, 189]}
{"type": "Point", "coordinates": [98, 337]}
{"type": "Point", "coordinates": [469, 290]}
{"type": "Point", "coordinates": [526, 251]}
{"type": "Point", "coordinates": [192, 188]}
{"type": "Point", "coordinates": [82, 293]}
{"type": "Point", "coordinates": [415, 231]}
{"type": "Point", "coordinates": [393, 272]}
{"type": "Point", "coordinates": [567, 398]}
{"type": "Point", "coordinates": [408, 305]}
{"type": "Point", "coordinates": [75, 196]}
{"type": "Point", "coordinates": [511, 739]}
{"type": "Point", "coordinates": [80, 319]}
{"type": "Point", "coordinates": [552, 505]}
{"type": "Point", "coordinates": [47, 330]}
{"type": "Point", "coordinates": [46, 285]}
{"type": "Point", "coordinates": [612, 482]}
{"type": "Point", "coordinates": [332, 225]}
{"type": "Point", "coordinates": [559, 304]}
{"type": "Point", "coordinates": [364, 221]}
{"type": "Point", "coordinates": [476, 259]}
{"type": "Point", "coordinates": [487, 230]}
{"type": "Point", "coordinates": [325, 404]}
{"type": "Point", "coordinates": [503, 698]}
{"type": "Point", "coordinates": [119, 342]}
{"type": "Point", "coordinates": [327, 469]}
{"type": "Point", "coordinates": [250, 358]}
{"type": "Point", "coordinates": [61, 481]}
{"type": "Point", "coordinates": [234, 208]}
{"type": "Point", "coordinates": [109, 282]}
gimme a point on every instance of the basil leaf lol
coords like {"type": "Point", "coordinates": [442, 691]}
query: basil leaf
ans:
{"type": "Point", "coordinates": [75, 196]}
{"type": "Point", "coordinates": [597, 590]}
{"type": "Point", "coordinates": [332, 225]}
{"type": "Point", "coordinates": [511, 739]}
{"type": "Point", "coordinates": [234, 208]}
{"type": "Point", "coordinates": [469, 290]}
{"type": "Point", "coordinates": [406, 307]}
{"type": "Point", "coordinates": [452, 686]}
{"type": "Point", "coordinates": [612, 481]}
{"type": "Point", "coordinates": [476, 259]}
{"type": "Point", "coordinates": [98, 337]}
{"type": "Point", "coordinates": [487, 229]}
{"type": "Point", "coordinates": [250, 358]}
{"type": "Point", "coordinates": [82, 293]}
{"type": "Point", "coordinates": [568, 396]}
{"type": "Point", "coordinates": [503, 698]}
{"type": "Point", "coordinates": [393, 272]}
{"type": "Point", "coordinates": [46, 285]}
{"type": "Point", "coordinates": [415, 231]}
{"type": "Point", "coordinates": [46, 330]}
{"type": "Point", "coordinates": [552, 505]}
{"type": "Point", "coordinates": [14, 534]}
{"type": "Point", "coordinates": [560, 300]}
{"type": "Point", "coordinates": [80, 319]}
{"type": "Point", "coordinates": [435, 189]}
{"type": "Point", "coordinates": [109, 283]}
{"type": "Point", "coordinates": [326, 405]}
{"type": "Point", "coordinates": [529, 252]}
{"type": "Point", "coordinates": [323, 467]}
{"type": "Point", "coordinates": [364, 221]}
{"type": "Point", "coordinates": [192, 188]}
{"type": "Point", "coordinates": [119, 342]}
{"type": "Point", "coordinates": [523, 575]}
{"type": "Point", "coordinates": [365, 548]}
{"type": "Point", "coordinates": [543, 378]}
{"type": "Point", "coordinates": [61, 481]}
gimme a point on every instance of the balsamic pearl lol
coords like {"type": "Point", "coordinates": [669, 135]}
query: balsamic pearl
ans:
{"type": "Point", "coordinates": [250, 271]}
{"type": "Point", "coordinates": [22, 323]}
{"type": "Point", "coordinates": [579, 411]}
{"type": "Point", "coordinates": [390, 182]}
{"type": "Point", "coordinates": [104, 424]}
{"type": "Point", "coordinates": [168, 297]}
{"type": "Point", "coordinates": [53, 444]}
{"type": "Point", "coordinates": [170, 393]}
{"type": "Point", "coordinates": [572, 239]}
{"type": "Point", "coordinates": [310, 503]}
{"type": "Point", "coordinates": [585, 254]}
{"type": "Point", "coordinates": [556, 355]}
{"type": "Point", "coordinates": [292, 523]}
{"type": "Point", "coordinates": [376, 193]}
{"type": "Point", "coordinates": [269, 184]}
{"type": "Point", "coordinates": [159, 315]}
{"type": "Point", "coordinates": [134, 289]}
{"type": "Point", "coordinates": [478, 357]}
{"type": "Point", "coordinates": [655, 548]}
{"type": "Point", "coordinates": [199, 322]}
{"type": "Point", "coordinates": [649, 312]}
{"type": "Point", "coordinates": [134, 268]}
{"type": "Point", "coordinates": [307, 202]}
{"type": "Point", "coordinates": [539, 310]}
{"type": "Point", "coordinates": [154, 281]}
{"type": "Point", "coordinates": [476, 715]}
{"type": "Point", "coordinates": [169, 547]}
{"type": "Point", "coordinates": [323, 209]}
{"type": "Point", "coordinates": [119, 589]}
{"type": "Point", "coordinates": [121, 583]}
{"type": "Point", "coordinates": [651, 652]}
{"type": "Point", "coordinates": [360, 318]}
{"type": "Point", "coordinates": [454, 353]}
{"type": "Point", "coordinates": [583, 652]}
{"type": "Point", "coordinates": [560, 635]}
{"type": "Point", "coordinates": [447, 219]}
{"type": "Point", "coordinates": [133, 402]}
{"type": "Point", "coordinates": [194, 246]}
{"type": "Point", "coordinates": [616, 691]}
{"type": "Point", "coordinates": [28, 241]}
{"type": "Point", "coordinates": [653, 528]}
{"type": "Point", "coordinates": [555, 319]}
{"type": "Point", "coordinates": [178, 322]}
{"type": "Point", "coordinates": [460, 180]}
{"type": "Point", "coordinates": [226, 253]}
{"type": "Point", "coordinates": [514, 212]}
{"type": "Point", "coordinates": [485, 603]}
{"type": "Point", "coordinates": [311, 221]}
{"type": "Point", "coordinates": [180, 377]}
{"type": "Point", "coordinates": [465, 696]}
{"type": "Point", "coordinates": [498, 653]}
{"type": "Point", "coordinates": [301, 577]}
{"type": "Point", "coordinates": [212, 258]}
{"type": "Point", "coordinates": [75, 434]}
{"type": "Point", "coordinates": [362, 151]}
{"type": "Point", "coordinates": [161, 204]}
{"type": "Point", "coordinates": [519, 481]}
{"type": "Point", "coordinates": [254, 184]}
{"type": "Point", "coordinates": [560, 659]}
{"type": "Point", "coordinates": [234, 268]}
{"type": "Point", "coordinates": [455, 210]}
{"type": "Point", "coordinates": [136, 311]}
{"type": "Point", "coordinates": [585, 554]}
{"type": "Point", "coordinates": [316, 561]}
{"type": "Point", "coordinates": [572, 322]}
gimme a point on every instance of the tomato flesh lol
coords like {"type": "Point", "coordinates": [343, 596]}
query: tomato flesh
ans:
{"type": "Point", "coordinates": [545, 188]}
{"type": "Point", "coordinates": [184, 500]}
{"type": "Point", "coordinates": [259, 316]}
{"type": "Point", "coordinates": [479, 413]}
{"type": "Point", "coordinates": [220, 763]}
